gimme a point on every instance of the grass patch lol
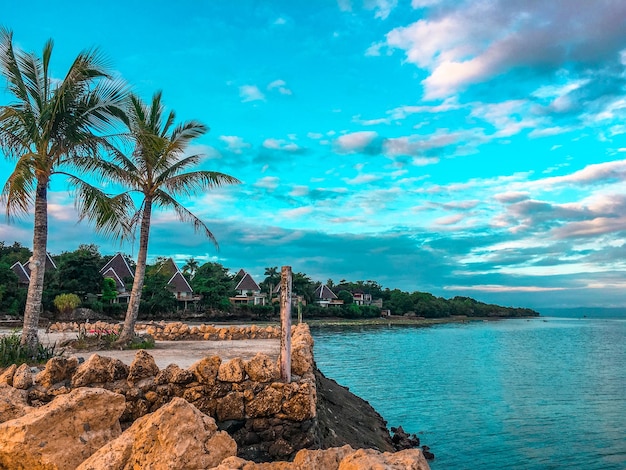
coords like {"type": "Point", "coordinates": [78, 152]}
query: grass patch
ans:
{"type": "Point", "coordinates": [12, 352]}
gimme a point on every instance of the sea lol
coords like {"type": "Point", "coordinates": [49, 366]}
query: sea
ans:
{"type": "Point", "coordinates": [539, 393]}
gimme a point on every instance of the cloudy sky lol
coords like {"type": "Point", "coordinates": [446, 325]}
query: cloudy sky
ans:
{"type": "Point", "coordinates": [455, 147]}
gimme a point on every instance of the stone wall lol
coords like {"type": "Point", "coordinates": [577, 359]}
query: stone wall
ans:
{"type": "Point", "coordinates": [269, 419]}
{"type": "Point", "coordinates": [175, 331]}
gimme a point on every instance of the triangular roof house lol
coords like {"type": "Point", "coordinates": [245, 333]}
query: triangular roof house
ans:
{"type": "Point", "coordinates": [324, 296]}
{"type": "Point", "coordinates": [22, 270]}
{"type": "Point", "coordinates": [111, 273]}
{"type": "Point", "coordinates": [22, 275]}
{"type": "Point", "coordinates": [119, 265]}
{"type": "Point", "coordinates": [247, 284]}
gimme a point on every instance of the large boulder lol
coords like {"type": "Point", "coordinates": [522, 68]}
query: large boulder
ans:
{"type": "Point", "coordinates": [206, 369]}
{"type": "Point", "coordinates": [58, 369]}
{"type": "Point", "coordinates": [13, 403]}
{"type": "Point", "coordinates": [177, 435]}
{"type": "Point", "coordinates": [7, 376]}
{"type": "Point", "coordinates": [410, 459]}
{"type": "Point", "coordinates": [63, 433]}
{"type": "Point", "coordinates": [142, 367]}
{"type": "Point", "coordinates": [99, 370]}
{"type": "Point", "coordinates": [23, 377]}
{"type": "Point", "coordinates": [336, 458]}
{"type": "Point", "coordinates": [262, 369]}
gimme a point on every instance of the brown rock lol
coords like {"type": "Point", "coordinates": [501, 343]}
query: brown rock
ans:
{"type": "Point", "coordinates": [262, 369]}
{"type": "Point", "coordinates": [299, 402]}
{"type": "Point", "coordinates": [58, 369]}
{"type": "Point", "coordinates": [175, 436]}
{"type": "Point", "coordinates": [143, 366]}
{"type": "Point", "coordinates": [328, 459]}
{"type": "Point", "coordinates": [63, 433]}
{"type": "Point", "coordinates": [175, 375]}
{"type": "Point", "coordinates": [7, 376]}
{"type": "Point", "coordinates": [13, 403]}
{"type": "Point", "coordinates": [301, 359]}
{"type": "Point", "coordinates": [205, 370]}
{"type": "Point", "coordinates": [266, 403]}
{"type": "Point", "coordinates": [99, 370]}
{"type": "Point", "coordinates": [410, 459]}
{"type": "Point", "coordinates": [23, 377]}
{"type": "Point", "coordinates": [232, 371]}
{"type": "Point", "coordinates": [230, 407]}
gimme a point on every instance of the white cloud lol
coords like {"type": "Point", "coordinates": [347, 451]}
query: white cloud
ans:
{"type": "Point", "coordinates": [235, 143]}
{"type": "Point", "coordinates": [280, 86]}
{"type": "Point", "coordinates": [268, 182]}
{"type": "Point", "coordinates": [250, 93]}
{"type": "Point", "coordinates": [296, 213]}
{"type": "Point", "coordinates": [476, 41]}
{"type": "Point", "coordinates": [362, 179]}
{"type": "Point", "coordinates": [355, 141]}
{"type": "Point", "coordinates": [283, 145]}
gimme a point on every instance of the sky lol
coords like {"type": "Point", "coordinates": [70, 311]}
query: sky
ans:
{"type": "Point", "coordinates": [473, 148]}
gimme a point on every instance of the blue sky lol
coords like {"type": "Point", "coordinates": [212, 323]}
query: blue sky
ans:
{"type": "Point", "coordinates": [456, 147]}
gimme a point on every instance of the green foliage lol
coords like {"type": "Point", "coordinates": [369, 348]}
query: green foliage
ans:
{"type": "Point", "coordinates": [12, 352]}
{"type": "Point", "coordinates": [156, 298]}
{"type": "Point", "coordinates": [109, 290]}
{"type": "Point", "coordinates": [345, 296]}
{"type": "Point", "coordinates": [12, 295]}
{"type": "Point", "coordinates": [66, 303]}
{"type": "Point", "coordinates": [213, 282]}
{"type": "Point", "coordinates": [77, 272]}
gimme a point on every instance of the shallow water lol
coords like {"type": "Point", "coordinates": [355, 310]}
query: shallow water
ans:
{"type": "Point", "coordinates": [523, 394]}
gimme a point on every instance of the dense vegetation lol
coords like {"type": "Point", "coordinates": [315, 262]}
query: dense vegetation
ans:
{"type": "Point", "coordinates": [78, 273]}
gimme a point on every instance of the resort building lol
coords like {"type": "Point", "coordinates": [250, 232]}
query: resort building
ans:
{"type": "Point", "coordinates": [117, 269]}
{"type": "Point", "coordinates": [326, 297]}
{"type": "Point", "coordinates": [248, 291]}
{"type": "Point", "coordinates": [22, 271]}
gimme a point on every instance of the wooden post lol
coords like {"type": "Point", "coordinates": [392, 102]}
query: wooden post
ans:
{"type": "Point", "coordinates": [285, 324]}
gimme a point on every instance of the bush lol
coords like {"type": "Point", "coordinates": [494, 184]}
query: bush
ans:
{"type": "Point", "coordinates": [12, 352]}
{"type": "Point", "coordinates": [66, 303]}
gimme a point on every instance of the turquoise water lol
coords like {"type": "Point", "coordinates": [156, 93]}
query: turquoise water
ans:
{"type": "Point", "coordinates": [522, 394]}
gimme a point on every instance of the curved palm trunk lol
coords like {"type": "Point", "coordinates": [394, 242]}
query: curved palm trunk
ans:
{"type": "Point", "coordinates": [128, 331]}
{"type": "Point", "coordinates": [38, 268]}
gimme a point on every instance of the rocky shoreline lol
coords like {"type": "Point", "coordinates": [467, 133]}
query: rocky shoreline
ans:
{"type": "Point", "coordinates": [260, 418]}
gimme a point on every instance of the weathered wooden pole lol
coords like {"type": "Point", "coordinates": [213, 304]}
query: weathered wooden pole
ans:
{"type": "Point", "coordinates": [285, 323]}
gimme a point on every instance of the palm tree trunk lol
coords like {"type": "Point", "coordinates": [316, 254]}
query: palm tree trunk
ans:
{"type": "Point", "coordinates": [38, 268]}
{"type": "Point", "coordinates": [128, 331]}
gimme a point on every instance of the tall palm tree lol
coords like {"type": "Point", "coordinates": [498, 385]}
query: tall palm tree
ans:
{"type": "Point", "coordinates": [54, 127]}
{"type": "Point", "coordinates": [157, 170]}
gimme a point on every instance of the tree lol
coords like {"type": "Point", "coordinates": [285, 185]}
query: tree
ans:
{"type": "Point", "coordinates": [190, 267]}
{"type": "Point", "coordinates": [156, 169]}
{"type": "Point", "coordinates": [214, 284]}
{"type": "Point", "coordinates": [272, 278]}
{"type": "Point", "coordinates": [109, 290]}
{"type": "Point", "coordinates": [78, 272]}
{"type": "Point", "coordinates": [53, 127]}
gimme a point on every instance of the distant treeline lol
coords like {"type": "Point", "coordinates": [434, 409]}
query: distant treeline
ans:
{"type": "Point", "coordinates": [78, 272]}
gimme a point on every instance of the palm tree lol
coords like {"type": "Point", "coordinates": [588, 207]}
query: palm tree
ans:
{"type": "Point", "coordinates": [190, 267]}
{"type": "Point", "coordinates": [157, 170]}
{"type": "Point", "coordinates": [272, 276]}
{"type": "Point", "coordinates": [54, 127]}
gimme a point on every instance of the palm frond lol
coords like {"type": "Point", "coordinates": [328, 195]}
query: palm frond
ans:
{"type": "Point", "coordinates": [110, 214]}
{"type": "Point", "coordinates": [185, 215]}
{"type": "Point", "coordinates": [18, 191]}
{"type": "Point", "coordinates": [197, 181]}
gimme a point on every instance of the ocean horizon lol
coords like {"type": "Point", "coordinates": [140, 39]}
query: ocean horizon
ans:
{"type": "Point", "coordinates": [539, 393]}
